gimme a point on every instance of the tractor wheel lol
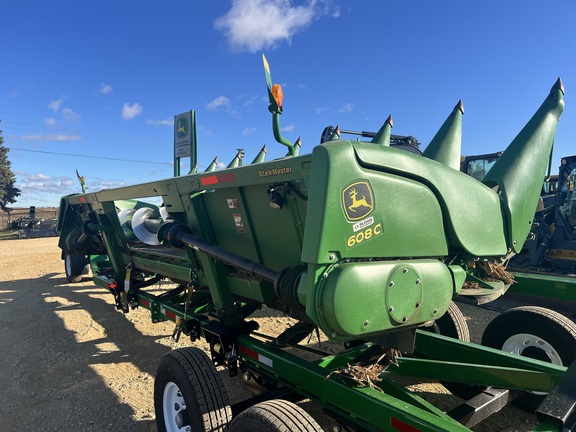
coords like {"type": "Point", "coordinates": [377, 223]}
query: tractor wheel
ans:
{"type": "Point", "coordinates": [75, 267]}
{"type": "Point", "coordinates": [274, 416]}
{"type": "Point", "coordinates": [534, 332]}
{"type": "Point", "coordinates": [189, 394]}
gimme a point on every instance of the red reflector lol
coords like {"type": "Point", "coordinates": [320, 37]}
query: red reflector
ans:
{"type": "Point", "coordinates": [225, 178]}
{"type": "Point", "coordinates": [170, 314]}
{"type": "Point", "coordinates": [248, 352]}
{"type": "Point", "coordinates": [209, 180]}
{"type": "Point", "coordinates": [218, 178]}
{"type": "Point", "coordinates": [145, 303]}
{"type": "Point", "coordinates": [82, 199]}
{"type": "Point", "coordinates": [401, 426]}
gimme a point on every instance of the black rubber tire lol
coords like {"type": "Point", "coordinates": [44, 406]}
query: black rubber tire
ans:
{"type": "Point", "coordinates": [206, 406]}
{"type": "Point", "coordinates": [549, 328]}
{"type": "Point", "coordinates": [452, 324]}
{"type": "Point", "coordinates": [275, 415]}
{"type": "Point", "coordinates": [75, 266]}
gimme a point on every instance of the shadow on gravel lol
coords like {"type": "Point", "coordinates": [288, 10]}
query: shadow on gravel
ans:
{"type": "Point", "coordinates": [48, 378]}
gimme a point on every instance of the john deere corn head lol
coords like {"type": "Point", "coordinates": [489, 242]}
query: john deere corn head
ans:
{"type": "Point", "coordinates": [362, 240]}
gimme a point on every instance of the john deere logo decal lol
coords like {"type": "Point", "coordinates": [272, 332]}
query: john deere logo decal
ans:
{"type": "Point", "coordinates": [182, 129]}
{"type": "Point", "coordinates": [357, 200]}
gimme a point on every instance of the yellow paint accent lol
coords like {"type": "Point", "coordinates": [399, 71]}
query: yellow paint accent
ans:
{"type": "Point", "coordinates": [265, 63]}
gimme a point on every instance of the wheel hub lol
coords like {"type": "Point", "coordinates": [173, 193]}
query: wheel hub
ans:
{"type": "Point", "coordinates": [529, 345]}
{"type": "Point", "coordinates": [174, 409]}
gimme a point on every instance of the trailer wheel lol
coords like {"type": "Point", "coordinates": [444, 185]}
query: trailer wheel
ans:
{"type": "Point", "coordinates": [75, 267]}
{"type": "Point", "coordinates": [274, 416]}
{"type": "Point", "coordinates": [189, 394]}
{"type": "Point", "coordinates": [534, 332]}
{"type": "Point", "coordinates": [452, 324]}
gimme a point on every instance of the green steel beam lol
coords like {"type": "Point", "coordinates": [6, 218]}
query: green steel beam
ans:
{"type": "Point", "coordinates": [437, 347]}
{"type": "Point", "coordinates": [476, 374]}
{"type": "Point", "coordinates": [544, 285]}
{"type": "Point", "coordinates": [393, 408]}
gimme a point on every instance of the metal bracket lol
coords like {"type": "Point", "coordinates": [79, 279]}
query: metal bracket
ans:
{"type": "Point", "coordinates": [481, 406]}
{"type": "Point", "coordinates": [560, 403]}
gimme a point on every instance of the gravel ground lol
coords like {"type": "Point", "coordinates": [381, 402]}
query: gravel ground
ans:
{"type": "Point", "coordinates": [70, 361]}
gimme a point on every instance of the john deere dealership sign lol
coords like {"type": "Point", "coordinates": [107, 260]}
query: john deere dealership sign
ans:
{"type": "Point", "coordinates": [183, 135]}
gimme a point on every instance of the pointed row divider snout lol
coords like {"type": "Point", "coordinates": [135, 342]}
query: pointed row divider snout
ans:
{"type": "Point", "coordinates": [212, 165]}
{"type": "Point", "coordinates": [260, 156]}
{"type": "Point", "coordinates": [237, 161]}
{"type": "Point", "coordinates": [382, 137]}
{"type": "Point", "coordinates": [518, 174]}
{"type": "Point", "coordinates": [446, 145]}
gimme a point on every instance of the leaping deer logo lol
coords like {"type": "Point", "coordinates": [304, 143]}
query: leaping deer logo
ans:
{"type": "Point", "coordinates": [181, 131]}
{"type": "Point", "coordinates": [357, 200]}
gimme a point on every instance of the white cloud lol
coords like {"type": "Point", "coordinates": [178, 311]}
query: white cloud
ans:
{"type": "Point", "coordinates": [167, 122]}
{"type": "Point", "coordinates": [220, 101]}
{"type": "Point", "coordinates": [50, 121]}
{"type": "Point", "coordinates": [131, 111]}
{"type": "Point", "coordinates": [33, 183]}
{"type": "Point", "coordinates": [288, 128]}
{"type": "Point", "coordinates": [248, 131]}
{"type": "Point", "coordinates": [39, 176]}
{"type": "Point", "coordinates": [105, 89]}
{"type": "Point", "coordinates": [346, 108]}
{"type": "Point", "coordinates": [249, 100]}
{"type": "Point", "coordinates": [70, 115]}
{"type": "Point", "coordinates": [56, 104]}
{"type": "Point", "coordinates": [51, 137]}
{"type": "Point", "coordinates": [255, 25]}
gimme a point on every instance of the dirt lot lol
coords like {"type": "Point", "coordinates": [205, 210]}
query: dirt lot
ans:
{"type": "Point", "coordinates": [70, 361]}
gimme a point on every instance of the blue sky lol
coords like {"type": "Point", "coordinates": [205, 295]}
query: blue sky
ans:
{"type": "Point", "coordinates": [94, 86]}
